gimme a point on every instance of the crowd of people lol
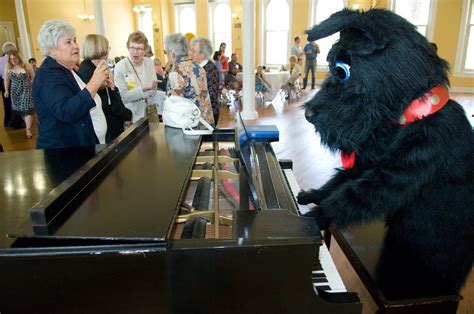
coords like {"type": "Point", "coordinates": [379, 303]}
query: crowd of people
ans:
{"type": "Point", "coordinates": [93, 101]}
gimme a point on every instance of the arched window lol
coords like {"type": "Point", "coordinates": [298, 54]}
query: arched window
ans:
{"type": "Point", "coordinates": [417, 12]}
{"type": "Point", "coordinates": [145, 23]}
{"type": "Point", "coordinates": [321, 10]}
{"type": "Point", "coordinates": [185, 18]}
{"type": "Point", "coordinates": [465, 54]}
{"type": "Point", "coordinates": [221, 25]}
{"type": "Point", "coordinates": [276, 30]}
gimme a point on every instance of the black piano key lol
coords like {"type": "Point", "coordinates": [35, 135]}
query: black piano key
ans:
{"type": "Point", "coordinates": [317, 266]}
{"type": "Point", "coordinates": [318, 275]}
{"type": "Point", "coordinates": [325, 288]}
{"type": "Point", "coordinates": [320, 280]}
{"type": "Point", "coordinates": [202, 195]}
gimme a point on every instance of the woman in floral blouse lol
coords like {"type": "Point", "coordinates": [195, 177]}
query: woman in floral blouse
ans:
{"type": "Point", "coordinates": [201, 50]}
{"type": "Point", "coordinates": [186, 78]}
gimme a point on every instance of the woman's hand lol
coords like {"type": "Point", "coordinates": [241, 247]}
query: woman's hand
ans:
{"type": "Point", "coordinates": [127, 124]}
{"type": "Point", "coordinates": [6, 94]}
{"type": "Point", "coordinates": [100, 76]}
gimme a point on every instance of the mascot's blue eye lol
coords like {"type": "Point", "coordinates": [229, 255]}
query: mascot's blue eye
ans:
{"type": "Point", "coordinates": [343, 70]}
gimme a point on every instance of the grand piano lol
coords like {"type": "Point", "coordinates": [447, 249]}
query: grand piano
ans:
{"type": "Point", "coordinates": [161, 222]}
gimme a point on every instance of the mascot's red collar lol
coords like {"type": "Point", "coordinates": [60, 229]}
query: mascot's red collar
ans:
{"type": "Point", "coordinates": [429, 103]}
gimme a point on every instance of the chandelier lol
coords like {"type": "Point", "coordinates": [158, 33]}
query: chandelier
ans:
{"type": "Point", "coordinates": [141, 9]}
{"type": "Point", "coordinates": [85, 17]}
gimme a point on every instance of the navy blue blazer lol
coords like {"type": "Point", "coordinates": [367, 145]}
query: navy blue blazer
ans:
{"type": "Point", "coordinates": [62, 108]}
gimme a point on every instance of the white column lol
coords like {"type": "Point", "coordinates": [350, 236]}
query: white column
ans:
{"type": "Point", "coordinates": [99, 17]}
{"type": "Point", "coordinates": [25, 44]}
{"type": "Point", "coordinates": [248, 51]}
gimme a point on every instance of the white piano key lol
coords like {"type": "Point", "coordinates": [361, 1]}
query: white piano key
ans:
{"type": "Point", "coordinates": [295, 189]}
{"type": "Point", "coordinates": [330, 270]}
{"type": "Point", "coordinates": [325, 259]}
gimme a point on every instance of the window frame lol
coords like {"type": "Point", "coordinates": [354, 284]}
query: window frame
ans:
{"type": "Point", "coordinates": [463, 41]}
{"type": "Point", "coordinates": [312, 22]}
{"type": "Point", "coordinates": [212, 6]}
{"type": "Point", "coordinates": [263, 47]}
{"type": "Point", "coordinates": [178, 6]}
{"type": "Point", "coordinates": [141, 26]}
{"type": "Point", "coordinates": [430, 27]}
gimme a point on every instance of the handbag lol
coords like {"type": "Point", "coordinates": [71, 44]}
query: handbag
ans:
{"type": "Point", "coordinates": [151, 112]}
{"type": "Point", "coordinates": [182, 113]}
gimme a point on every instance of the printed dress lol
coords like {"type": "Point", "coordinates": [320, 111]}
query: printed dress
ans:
{"type": "Point", "coordinates": [21, 92]}
{"type": "Point", "coordinates": [187, 79]}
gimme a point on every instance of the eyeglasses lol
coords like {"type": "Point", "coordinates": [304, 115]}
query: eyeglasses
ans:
{"type": "Point", "coordinates": [136, 49]}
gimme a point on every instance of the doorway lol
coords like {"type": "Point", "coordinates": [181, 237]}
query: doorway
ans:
{"type": "Point", "coordinates": [6, 33]}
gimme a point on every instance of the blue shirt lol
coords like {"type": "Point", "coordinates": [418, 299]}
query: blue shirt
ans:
{"type": "Point", "coordinates": [313, 54]}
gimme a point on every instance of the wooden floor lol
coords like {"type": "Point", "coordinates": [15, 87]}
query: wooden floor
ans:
{"type": "Point", "coordinates": [311, 162]}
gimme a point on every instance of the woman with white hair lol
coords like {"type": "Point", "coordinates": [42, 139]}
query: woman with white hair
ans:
{"type": "Point", "coordinates": [69, 111]}
{"type": "Point", "coordinates": [186, 78]}
{"type": "Point", "coordinates": [201, 51]}
{"type": "Point", "coordinates": [295, 73]}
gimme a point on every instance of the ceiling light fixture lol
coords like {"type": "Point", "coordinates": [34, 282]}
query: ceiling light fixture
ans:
{"type": "Point", "coordinates": [85, 17]}
{"type": "Point", "coordinates": [141, 9]}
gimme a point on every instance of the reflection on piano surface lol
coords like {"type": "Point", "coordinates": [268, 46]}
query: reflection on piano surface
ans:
{"type": "Point", "coordinates": [196, 225]}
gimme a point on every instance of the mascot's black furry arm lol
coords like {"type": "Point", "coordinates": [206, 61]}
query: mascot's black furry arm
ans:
{"type": "Point", "coordinates": [407, 148]}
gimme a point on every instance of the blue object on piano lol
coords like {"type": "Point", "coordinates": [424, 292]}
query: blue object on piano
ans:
{"type": "Point", "coordinates": [245, 133]}
{"type": "Point", "coordinates": [263, 132]}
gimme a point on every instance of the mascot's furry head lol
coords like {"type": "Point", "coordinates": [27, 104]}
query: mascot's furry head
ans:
{"type": "Point", "coordinates": [407, 149]}
{"type": "Point", "coordinates": [378, 66]}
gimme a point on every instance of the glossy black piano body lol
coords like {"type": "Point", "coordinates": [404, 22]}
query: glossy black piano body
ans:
{"type": "Point", "coordinates": [98, 237]}
{"type": "Point", "coordinates": [397, 281]}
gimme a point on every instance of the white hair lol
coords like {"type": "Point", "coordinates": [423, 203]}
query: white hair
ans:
{"type": "Point", "coordinates": [50, 33]}
{"type": "Point", "coordinates": [177, 44]}
{"type": "Point", "coordinates": [205, 46]}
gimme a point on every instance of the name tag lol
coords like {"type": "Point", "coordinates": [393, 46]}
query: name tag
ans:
{"type": "Point", "coordinates": [131, 81]}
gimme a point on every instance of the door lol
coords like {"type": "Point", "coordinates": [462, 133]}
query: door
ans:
{"type": "Point", "coordinates": [6, 33]}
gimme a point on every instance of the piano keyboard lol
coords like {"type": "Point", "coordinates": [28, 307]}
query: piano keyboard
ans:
{"type": "Point", "coordinates": [295, 189]}
{"type": "Point", "coordinates": [324, 275]}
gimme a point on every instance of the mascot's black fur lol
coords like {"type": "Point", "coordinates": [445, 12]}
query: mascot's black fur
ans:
{"type": "Point", "coordinates": [419, 177]}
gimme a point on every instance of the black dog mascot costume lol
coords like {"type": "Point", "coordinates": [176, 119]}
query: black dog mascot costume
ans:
{"type": "Point", "coordinates": [407, 149]}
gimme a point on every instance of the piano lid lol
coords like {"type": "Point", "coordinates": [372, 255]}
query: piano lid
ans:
{"type": "Point", "coordinates": [137, 197]}
{"type": "Point", "coordinates": [27, 176]}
